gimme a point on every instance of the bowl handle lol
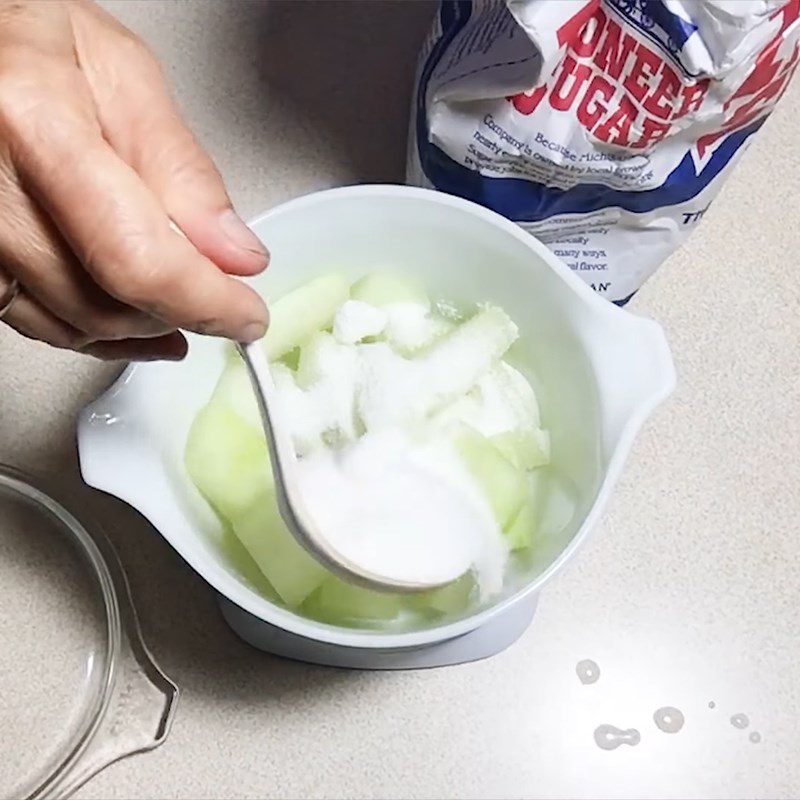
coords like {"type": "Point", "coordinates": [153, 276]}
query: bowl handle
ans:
{"type": "Point", "coordinates": [634, 371]}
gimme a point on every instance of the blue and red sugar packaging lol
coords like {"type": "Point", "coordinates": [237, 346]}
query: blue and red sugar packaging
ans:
{"type": "Point", "coordinates": [604, 127]}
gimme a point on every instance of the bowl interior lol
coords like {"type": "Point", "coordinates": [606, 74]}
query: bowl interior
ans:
{"type": "Point", "coordinates": [462, 254]}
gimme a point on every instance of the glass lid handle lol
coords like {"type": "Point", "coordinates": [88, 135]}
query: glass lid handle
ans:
{"type": "Point", "coordinates": [140, 706]}
{"type": "Point", "coordinates": [138, 718]}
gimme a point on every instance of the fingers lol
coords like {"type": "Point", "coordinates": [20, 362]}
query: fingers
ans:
{"type": "Point", "coordinates": [118, 229]}
{"type": "Point", "coordinates": [33, 321]}
{"type": "Point", "coordinates": [191, 191]}
{"type": "Point", "coordinates": [35, 253]}
{"type": "Point", "coordinates": [142, 124]}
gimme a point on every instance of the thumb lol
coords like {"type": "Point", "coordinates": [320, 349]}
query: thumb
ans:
{"type": "Point", "coordinates": [141, 123]}
{"type": "Point", "coordinates": [192, 193]}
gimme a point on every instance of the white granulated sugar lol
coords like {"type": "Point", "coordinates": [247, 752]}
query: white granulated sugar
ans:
{"type": "Point", "coordinates": [356, 320]}
{"type": "Point", "coordinates": [300, 410]}
{"type": "Point", "coordinates": [389, 392]}
{"type": "Point", "coordinates": [404, 511]}
{"type": "Point", "coordinates": [398, 500]}
{"type": "Point", "coordinates": [410, 326]}
{"type": "Point", "coordinates": [328, 371]}
{"type": "Point", "coordinates": [449, 311]}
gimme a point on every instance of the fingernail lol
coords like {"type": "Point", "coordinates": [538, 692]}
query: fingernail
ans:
{"type": "Point", "coordinates": [240, 234]}
{"type": "Point", "coordinates": [252, 332]}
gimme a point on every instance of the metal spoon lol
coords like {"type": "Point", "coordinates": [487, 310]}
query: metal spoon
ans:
{"type": "Point", "coordinates": [290, 499]}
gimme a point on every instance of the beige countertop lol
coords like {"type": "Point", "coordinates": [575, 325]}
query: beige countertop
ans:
{"type": "Point", "coordinates": [688, 594]}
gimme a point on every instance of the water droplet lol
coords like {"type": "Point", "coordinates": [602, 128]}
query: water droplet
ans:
{"type": "Point", "coordinates": [755, 737]}
{"type": "Point", "coordinates": [712, 704]}
{"type": "Point", "coordinates": [588, 671]}
{"type": "Point", "coordinates": [607, 737]}
{"type": "Point", "coordinates": [669, 719]}
{"type": "Point", "coordinates": [740, 721]}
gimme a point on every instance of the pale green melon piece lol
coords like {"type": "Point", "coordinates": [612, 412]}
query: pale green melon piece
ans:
{"type": "Point", "coordinates": [524, 448]}
{"type": "Point", "coordinates": [521, 531]}
{"type": "Point", "coordinates": [501, 402]}
{"type": "Point", "coordinates": [524, 531]}
{"type": "Point", "coordinates": [559, 502]}
{"type": "Point", "coordinates": [382, 288]}
{"type": "Point", "coordinates": [291, 359]}
{"type": "Point", "coordinates": [235, 391]}
{"type": "Point", "coordinates": [458, 360]}
{"type": "Point", "coordinates": [556, 502]}
{"type": "Point", "coordinates": [239, 559]}
{"type": "Point", "coordinates": [290, 570]}
{"type": "Point", "coordinates": [312, 352]}
{"type": "Point", "coordinates": [299, 314]}
{"type": "Point", "coordinates": [227, 459]}
{"type": "Point", "coordinates": [339, 602]}
{"type": "Point", "coordinates": [518, 393]}
{"type": "Point", "coordinates": [501, 482]}
{"type": "Point", "coordinates": [450, 599]}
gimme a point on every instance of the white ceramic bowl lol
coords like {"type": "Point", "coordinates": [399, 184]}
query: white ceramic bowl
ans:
{"type": "Point", "coordinates": [599, 372]}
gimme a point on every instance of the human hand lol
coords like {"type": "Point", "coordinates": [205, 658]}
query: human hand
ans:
{"type": "Point", "coordinates": [94, 163]}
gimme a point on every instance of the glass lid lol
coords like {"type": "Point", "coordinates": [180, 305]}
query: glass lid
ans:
{"type": "Point", "coordinates": [79, 689]}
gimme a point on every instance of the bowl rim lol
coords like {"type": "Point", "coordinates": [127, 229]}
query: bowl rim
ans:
{"type": "Point", "coordinates": [262, 608]}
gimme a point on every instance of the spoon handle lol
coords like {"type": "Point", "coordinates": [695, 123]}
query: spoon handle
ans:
{"type": "Point", "coordinates": [279, 443]}
{"type": "Point", "coordinates": [284, 461]}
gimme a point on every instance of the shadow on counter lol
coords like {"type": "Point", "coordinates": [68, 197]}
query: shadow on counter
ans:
{"type": "Point", "coordinates": [342, 73]}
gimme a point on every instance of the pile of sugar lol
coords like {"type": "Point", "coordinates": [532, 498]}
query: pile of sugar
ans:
{"type": "Point", "coordinates": [403, 511]}
{"type": "Point", "coordinates": [378, 473]}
